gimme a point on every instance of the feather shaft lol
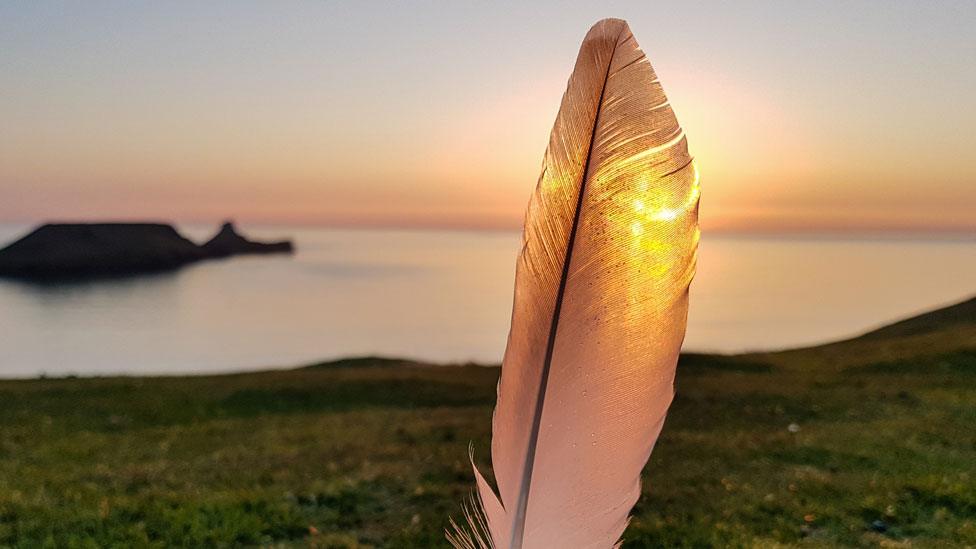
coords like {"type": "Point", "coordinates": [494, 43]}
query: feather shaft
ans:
{"type": "Point", "coordinates": [518, 520]}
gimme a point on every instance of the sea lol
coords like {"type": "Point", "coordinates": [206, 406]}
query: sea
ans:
{"type": "Point", "coordinates": [443, 296]}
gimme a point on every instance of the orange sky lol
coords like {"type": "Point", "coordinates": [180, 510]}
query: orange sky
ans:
{"type": "Point", "coordinates": [354, 116]}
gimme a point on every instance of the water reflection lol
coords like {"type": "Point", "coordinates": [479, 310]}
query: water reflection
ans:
{"type": "Point", "coordinates": [441, 296]}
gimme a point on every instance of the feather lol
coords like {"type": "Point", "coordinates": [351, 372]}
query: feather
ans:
{"type": "Point", "coordinates": [601, 298]}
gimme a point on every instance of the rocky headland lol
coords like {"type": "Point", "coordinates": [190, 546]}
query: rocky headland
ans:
{"type": "Point", "coordinates": [59, 251]}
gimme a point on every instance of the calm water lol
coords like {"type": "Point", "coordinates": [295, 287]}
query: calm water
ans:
{"type": "Point", "coordinates": [443, 296]}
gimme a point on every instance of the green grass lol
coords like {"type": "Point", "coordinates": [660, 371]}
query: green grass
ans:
{"type": "Point", "coordinates": [373, 453]}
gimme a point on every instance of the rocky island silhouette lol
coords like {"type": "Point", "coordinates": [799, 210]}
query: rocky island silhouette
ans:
{"type": "Point", "coordinates": [66, 251]}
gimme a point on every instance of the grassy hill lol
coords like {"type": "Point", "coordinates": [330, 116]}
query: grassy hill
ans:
{"type": "Point", "coordinates": [954, 316]}
{"type": "Point", "coordinates": [866, 442]}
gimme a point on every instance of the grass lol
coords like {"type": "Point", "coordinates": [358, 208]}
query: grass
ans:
{"type": "Point", "coordinates": [373, 453]}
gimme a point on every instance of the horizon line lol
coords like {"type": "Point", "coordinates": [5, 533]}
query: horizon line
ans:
{"type": "Point", "coordinates": [876, 231]}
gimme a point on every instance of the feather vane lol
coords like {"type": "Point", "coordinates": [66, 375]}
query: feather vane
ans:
{"type": "Point", "coordinates": [601, 297]}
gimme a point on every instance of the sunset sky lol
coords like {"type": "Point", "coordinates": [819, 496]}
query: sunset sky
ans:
{"type": "Point", "coordinates": [807, 116]}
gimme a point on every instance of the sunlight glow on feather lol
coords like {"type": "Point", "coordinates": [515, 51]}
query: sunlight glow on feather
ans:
{"type": "Point", "coordinates": [601, 297]}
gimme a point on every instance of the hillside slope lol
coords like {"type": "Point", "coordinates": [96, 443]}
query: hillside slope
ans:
{"type": "Point", "coordinates": [777, 450]}
{"type": "Point", "coordinates": [958, 315]}
{"type": "Point", "coordinates": [944, 330]}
